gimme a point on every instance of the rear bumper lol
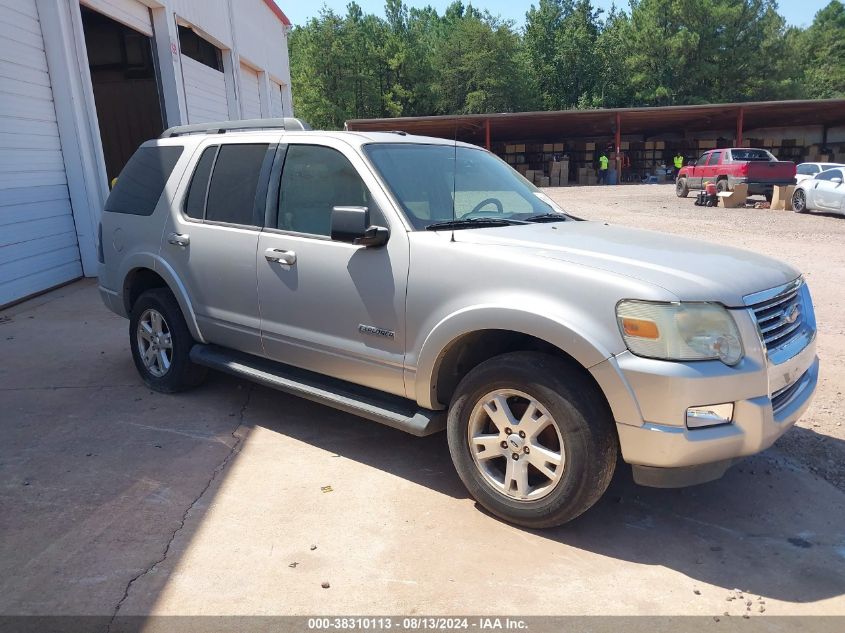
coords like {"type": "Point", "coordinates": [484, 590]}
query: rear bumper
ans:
{"type": "Point", "coordinates": [758, 188]}
{"type": "Point", "coordinates": [112, 301]}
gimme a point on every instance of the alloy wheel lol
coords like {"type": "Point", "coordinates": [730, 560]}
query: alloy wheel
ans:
{"type": "Point", "coordinates": [516, 445]}
{"type": "Point", "coordinates": [155, 345]}
{"type": "Point", "coordinates": [799, 201]}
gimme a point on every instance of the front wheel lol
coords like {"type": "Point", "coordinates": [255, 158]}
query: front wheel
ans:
{"type": "Point", "coordinates": [532, 439]}
{"type": "Point", "coordinates": [722, 185]}
{"type": "Point", "coordinates": [681, 188]}
{"type": "Point", "coordinates": [799, 201]}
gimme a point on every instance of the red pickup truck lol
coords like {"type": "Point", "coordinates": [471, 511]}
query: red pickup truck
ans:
{"type": "Point", "coordinates": [757, 168]}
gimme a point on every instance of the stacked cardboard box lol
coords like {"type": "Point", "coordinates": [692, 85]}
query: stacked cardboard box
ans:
{"type": "Point", "coordinates": [586, 176]}
{"type": "Point", "coordinates": [559, 173]}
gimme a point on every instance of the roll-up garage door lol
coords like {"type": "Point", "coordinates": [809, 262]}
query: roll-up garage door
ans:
{"type": "Point", "coordinates": [132, 13]}
{"type": "Point", "coordinates": [38, 244]}
{"type": "Point", "coordinates": [205, 92]}
{"type": "Point", "coordinates": [276, 108]}
{"type": "Point", "coordinates": [250, 94]}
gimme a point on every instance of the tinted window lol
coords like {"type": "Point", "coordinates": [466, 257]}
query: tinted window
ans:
{"type": "Point", "coordinates": [701, 160]}
{"type": "Point", "coordinates": [231, 196]}
{"type": "Point", "coordinates": [829, 174]}
{"type": "Point", "coordinates": [316, 179]}
{"type": "Point", "coordinates": [807, 170]}
{"type": "Point", "coordinates": [141, 182]}
{"type": "Point", "coordinates": [714, 158]}
{"type": "Point", "coordinates": [195, 201]}
{"type": "Point", "coordinates": [752, 154]}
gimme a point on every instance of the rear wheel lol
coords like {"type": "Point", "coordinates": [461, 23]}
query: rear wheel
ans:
{"type": "Point", "coordinates": [681, 188]}
{"type": "Point", "coordinates": [161, 343]}
{"type": "Point", "coordinates": [799, 201]}
{"type": "Point", "coordinates": [532, 439]}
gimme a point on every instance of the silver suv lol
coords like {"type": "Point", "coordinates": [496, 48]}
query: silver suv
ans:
{"type": "Point", "coordinates": [425, 284]}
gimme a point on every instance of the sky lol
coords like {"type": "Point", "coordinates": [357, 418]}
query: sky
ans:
{"type": "Point", "coordinates": [796, 12]}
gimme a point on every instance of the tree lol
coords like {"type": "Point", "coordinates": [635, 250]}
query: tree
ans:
{"type": "Point", "coordinates": [823, 47]}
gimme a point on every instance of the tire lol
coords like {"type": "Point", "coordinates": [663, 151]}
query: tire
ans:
{"type": "Point", "coordinates": [799, 201]}
{"type": "Point", "coordinates": [170, 369]}
{"type": "Point", "coordinates": [769, 194]}
{"type": "Point", "coordinates": [722, 185]}
{"type": "Point", "coordinates": [681, 188]}
{"type": "Point", "coordinates": [581, 433]}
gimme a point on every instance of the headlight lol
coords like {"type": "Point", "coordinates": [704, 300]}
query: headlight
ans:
{"type": "Point", "coordinates": [679, 331]}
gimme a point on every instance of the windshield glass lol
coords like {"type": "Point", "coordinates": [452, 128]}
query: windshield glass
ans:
{"type": "Point", "coordinates": [429, 181]}
{"type": "Point", "coordinates": [751, 154]}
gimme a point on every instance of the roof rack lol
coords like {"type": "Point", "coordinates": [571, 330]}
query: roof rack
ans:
{"type": "Point", "coordinates": [221, 127]}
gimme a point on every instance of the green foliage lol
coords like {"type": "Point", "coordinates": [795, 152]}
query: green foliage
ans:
{"type": "Point", "coordinates": [415, 62]}
{"type": "Point", "coordinates": [823, 48]}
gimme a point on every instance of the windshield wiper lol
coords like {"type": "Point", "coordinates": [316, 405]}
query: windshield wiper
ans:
{"type": "Point", "coordinates": [471, 223]}
{"type": "Point", "coordinates": [548, 217]}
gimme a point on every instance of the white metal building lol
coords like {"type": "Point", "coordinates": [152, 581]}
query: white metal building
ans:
{"type": "Point", "coordinates": [84, 82]}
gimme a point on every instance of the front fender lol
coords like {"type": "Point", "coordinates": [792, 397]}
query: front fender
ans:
{"type": "Point", "coordinates": [166, 272]}
{"type": "Point", "coordinates": [584, 348]}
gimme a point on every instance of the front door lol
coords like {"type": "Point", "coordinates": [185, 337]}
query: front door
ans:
{"type": "Point", "coordinates": [211, 240]}
{"type": "Point", "coordinates": [332, 307]}
{"type": "Point", "coordinates": [828, 194]}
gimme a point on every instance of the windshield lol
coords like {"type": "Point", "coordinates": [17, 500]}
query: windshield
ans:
{"type": "Point", "coordinates": [433, 182]}
{"type": "Point", "coordinates": [752, 154]}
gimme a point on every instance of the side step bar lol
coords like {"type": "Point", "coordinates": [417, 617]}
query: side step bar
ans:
{"type": "Point", "coordinates": [387, 409]}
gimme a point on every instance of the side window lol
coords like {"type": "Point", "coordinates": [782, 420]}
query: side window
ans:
{"type": "Point", "coordinates": [142, 180]}
{"type": "Point", "coordinates": [829, 174]}
{"type": "Point", "coordinates": [314, 180]}
{"type": "Point", "coordinates": [702, 160]}
{"type": "Point", "coordinates": [807, 169]}
{"type": "Point", "coordinates": [714, 158]}
{"type": "Point", "coordinates": [195, 201]}
{"type": "Point", "coordinates": [237, 171]}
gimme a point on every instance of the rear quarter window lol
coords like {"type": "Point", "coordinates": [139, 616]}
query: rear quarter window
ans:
{"type": "Point", "coordinates": [142, 180]}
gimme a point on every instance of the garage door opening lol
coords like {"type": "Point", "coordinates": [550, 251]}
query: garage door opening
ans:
{"type": "Point", "coordinates": [126, 93]}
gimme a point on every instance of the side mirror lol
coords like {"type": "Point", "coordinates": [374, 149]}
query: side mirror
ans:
{"type": "Point", "coordinates": [691, 163]}
{"type": "Point", "coordinates": [836, 181]}
{"type": "Point", "coordinates": [352, 225]}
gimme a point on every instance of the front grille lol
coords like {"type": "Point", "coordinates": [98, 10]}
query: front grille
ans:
{"type": "Point", "coordinates": [784, 396]}
{"type": "Point", "coordinates": [780, 318]}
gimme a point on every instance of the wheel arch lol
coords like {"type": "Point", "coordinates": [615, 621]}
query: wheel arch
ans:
{"type": "Point", "coordinates": [462, 341]}
{"type": "Point", "coordinates": [154, 272]}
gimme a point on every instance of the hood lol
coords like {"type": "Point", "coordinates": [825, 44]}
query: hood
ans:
{"type": "Point", "coordinates": [691, 270]}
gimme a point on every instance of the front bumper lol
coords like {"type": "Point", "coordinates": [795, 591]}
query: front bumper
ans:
{"type": "Point", "coordinates": [658, 444]}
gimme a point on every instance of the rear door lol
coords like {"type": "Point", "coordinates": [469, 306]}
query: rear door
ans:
{"type": "Point", "coordinates": [712, 170]}
{"type": "Point", "coordinates": [695, 179]}
{"type": "Point", "coordinates": [212, 235]}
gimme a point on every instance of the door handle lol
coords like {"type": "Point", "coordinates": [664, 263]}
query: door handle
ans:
{"type": "Point", "coordinates": [279, 256]}
{"type": "Point", "coordinates": [179, 239]}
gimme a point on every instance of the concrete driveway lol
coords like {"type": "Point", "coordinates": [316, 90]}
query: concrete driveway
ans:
{"type": "Point", "coordinates": [235, 499]}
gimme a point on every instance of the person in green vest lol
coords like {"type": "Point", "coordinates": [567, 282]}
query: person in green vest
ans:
{"type": "Point", "coordinates": [603, 164]}
{"type": "Point", "coordinates": [679, 162]}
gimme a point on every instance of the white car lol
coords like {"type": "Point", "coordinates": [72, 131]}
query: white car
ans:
{"type": "Point", "coordinates": [823, 192]}
{"type": "Point", "coordinates": [805, 171]}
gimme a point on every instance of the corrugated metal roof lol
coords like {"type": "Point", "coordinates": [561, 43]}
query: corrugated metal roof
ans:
{"type": "Point", "coordinates": [516, 126]}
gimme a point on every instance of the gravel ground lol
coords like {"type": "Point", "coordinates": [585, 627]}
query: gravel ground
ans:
{"type": "Point", "coordinates": [814, 243]}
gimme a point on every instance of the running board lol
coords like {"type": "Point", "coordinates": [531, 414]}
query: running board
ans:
{"type": "Point", "coordinates": [386, 409]}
